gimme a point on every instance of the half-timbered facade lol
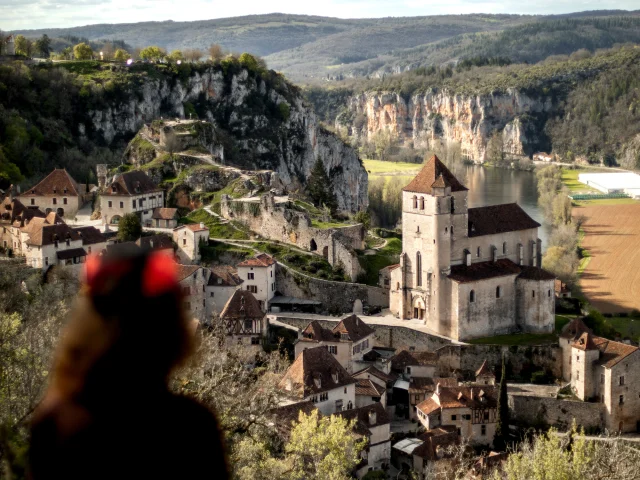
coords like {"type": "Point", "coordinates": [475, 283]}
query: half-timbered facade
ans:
{"type": "Point", "coordinates": [243, 319]}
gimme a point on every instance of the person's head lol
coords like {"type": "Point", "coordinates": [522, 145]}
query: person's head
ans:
{"type": "Point", "coordinates": [128, 328]}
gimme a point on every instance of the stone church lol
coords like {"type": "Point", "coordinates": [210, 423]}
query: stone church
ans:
{"type": "Point", "coordinates": [468, 272]}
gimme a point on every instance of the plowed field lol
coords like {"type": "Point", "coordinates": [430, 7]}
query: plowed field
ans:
{"type": "Point", "coordinates": [611, 280]}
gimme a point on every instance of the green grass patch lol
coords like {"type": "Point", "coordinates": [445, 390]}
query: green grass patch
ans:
{"type": "Point", "coordinates": [517, 339]}
{"type": "Point", "coordinates": [309, 207]}
{"type": "Point", "coordinates": [626, 326]}
{"type": "Point", "coordinates": [213, 251]}
{"type": "Point", "coordinates": [217, 229]}
{"type": "Point", "coordinates": [570, 180]}
{"type": "Point", "coordinates": [372, 264]}
{"type": "Point", "coordinates": [605, 201]}
{"type": "Point", "coordinates": [325, 225]}
{"type": "Point", "coordinates": [382, 167]}
{"type": "Point", "coordinates": [562, 320]}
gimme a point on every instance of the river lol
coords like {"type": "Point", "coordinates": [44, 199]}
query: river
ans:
{"type": "Point", "coordinates": [493, 186]}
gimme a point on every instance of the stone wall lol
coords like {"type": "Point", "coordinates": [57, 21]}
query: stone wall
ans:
{"type": "Point", "coordinates": [535, 410]}
{"type": "Point", "coordinates": [336, 297]}
{"type": "Point", "coordinates": [521, 360]}
{"type": "Point", "coordinates": [285, 224]}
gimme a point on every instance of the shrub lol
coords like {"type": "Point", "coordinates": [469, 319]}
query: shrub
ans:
{"type": "Point", "coordinates": [539, 378]}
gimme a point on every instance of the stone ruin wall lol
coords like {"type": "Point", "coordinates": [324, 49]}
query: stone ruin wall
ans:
{"type": "Point", "coordinates": [336, 298]}
{"type": "Point", "coordinates": [276, 222]}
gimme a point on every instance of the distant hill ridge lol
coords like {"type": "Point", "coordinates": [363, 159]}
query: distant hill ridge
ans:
{"type": "Point", "coordinates": [312, 48]}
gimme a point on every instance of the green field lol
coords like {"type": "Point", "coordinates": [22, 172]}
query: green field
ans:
{"type": "Point", "coordinates": [381, 167]}
{"type": "Point", "coordinates": [627, 327]}
{"type": "Point", "coordinates": [570, 180]}
{"type": "Point", "coordinates": [372, 264]}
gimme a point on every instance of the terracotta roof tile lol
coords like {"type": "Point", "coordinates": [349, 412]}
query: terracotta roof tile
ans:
{"type": "Point", "coordinates": [574, 329]}
{"type": "Point", "coordinates": [364, 386]}
{"type": "Point", "coordinates": [48, 234]}
{"type": "Point", "coordinates": [470, 397]}
{"type": "Point", "coordinates": [432, 170]}
{"type": "Point", "coordinates": [433, 440]}
{"type": "Point", "coordinates": [371, 370]}
{"type": "Point", "coordinates": [90, 235]}
{"type": "Point", "coordinates": [242, 304]}
{"type": "Point", "coordinates": [134, 182]}
{"type": "Point", "coordinates": [585, 342]}
{"type": "Point", "coordinates": [354, 327]}
{"type": "Point", "coordinates": [483, 270]}
{"type": "Point", "coordinates": [314, 370]}
{"type": "Point", "coordinates": [509, 217]}
{"type": "Point", "coordinates": [611, 352]}
{"type": "Point", "coordinates": [261, 260]}
{"type": "Point", "coordinates": [54, 184]}
{"type": "Point", "coordinates": [316, 332]}
{"type": "Point", "coordinates": [224, 276]}
{"type": "Point", "coordinates": [405, 358]}
{"type": "Point", "coordinates": [428, 406]}
{"type": "Point", "coordinates": [164, 213]}
{"type": "Point", "coordinates": [183, 271]}
{"type": "Point", "coordinates": [364, 417]}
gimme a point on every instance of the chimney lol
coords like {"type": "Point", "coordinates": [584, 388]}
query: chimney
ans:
{"type": "Point", "coordinates": [201, 225]}
{"type": "Point", "coordinates": [372, 417]}
{"type": "Point", "coordinates": [539, 253]}
{"type": "Point", "coordinates": [438, 389]}
{"type": "Point", "coordinates": [494, 253]}
{"type": "Point", "coordinates": [471, 393]}
{"type": "Point", "coordinates": [357, 321]}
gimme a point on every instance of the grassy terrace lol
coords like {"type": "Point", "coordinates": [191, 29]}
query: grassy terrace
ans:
{"type": "Point", "coordinates": [317, 216]}
{"type": "Point", "coordinates": [231, 231]}
{"type": "Point", "coordinates": [388, 255]}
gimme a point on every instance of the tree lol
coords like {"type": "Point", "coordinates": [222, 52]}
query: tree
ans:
{"type": "Point", "coordinates": [323, 448]}
{"type": "Point", "coordinates": [153, 54]}
{"type": "Point", "coordinates": [215, 52]}
{"type": "Point", "coordinates": [384, 141]}
{"type": "Point", "coordinates": [171, 143]}
{"type": "Point", "coordinates": [193, 54]}
{"type": "Point", "coordinates": [502, 424]}
{"type": "Point", "coordinates": [82, 51]}
{"type": "Point", "coordinates": [320, 188]}
{"type": "Point", "coordinates": [495, 148]}
{"type": "Point", "coordinates": [121, 55]}
{"type": "Point", "coordinates": [23, 45]}
{"type": "Point", "coordinates": [249, 62]}
{"type": "Point", "coordinates": [364, 218]}
{"type": "Point", "coordinates": [129, 228]}
{"type": "Point", "coordinates": [175, 55]}
{"type": "Point", "coordinates": [43, 45]}
{"type": "Point", "coordinates": [107, 50]}
{"type": "Point", "coordinates": [562, 262]}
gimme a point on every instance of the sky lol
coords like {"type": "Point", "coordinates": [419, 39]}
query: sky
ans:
{"type": "Point", "coordinates": [34, 14]}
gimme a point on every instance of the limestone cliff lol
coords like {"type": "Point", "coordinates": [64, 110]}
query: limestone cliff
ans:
{"type": "Point", "coordinates": [470, 120]}
{"type": "Point", "coordinates": [261, 121]}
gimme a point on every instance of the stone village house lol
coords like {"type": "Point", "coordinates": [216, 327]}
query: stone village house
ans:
{"type": "Point", "coordinates": [223, 281]}
{"type": "Point", "coordinates": [348, 341]}
{"type": "Point", "coordinates": [605, 372]}
{"type": "Point", "coordinates": [315, 375]}
{"type": "Point", "coordinates": [58, 193]}
{"type": "Point", "coordinates": [193, 280]}
{"type": "Point", "coordinates": [468, 272]}
{"type": "Point", "coordinates": [164, 217]}
{"type": "Point", "coordinates": [188, 238]}
{"type": "Point", "coordinates": [130, 192]}
{"type": "Point", "coordinates": [243, 320]}
{"type": "Point", "coordinates": [259, 277]}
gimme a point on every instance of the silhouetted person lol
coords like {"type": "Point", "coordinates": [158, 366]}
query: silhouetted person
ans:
{"type": "Point", "coordinates": [108, 412]}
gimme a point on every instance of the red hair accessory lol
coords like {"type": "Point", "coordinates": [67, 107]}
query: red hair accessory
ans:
{"type": "Point", "coordinates": [159, 275]}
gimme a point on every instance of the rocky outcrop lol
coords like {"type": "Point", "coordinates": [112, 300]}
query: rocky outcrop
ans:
{"type": "Point", "coordinates": [262, 121]}
{"type": "Point", "coordinates": [470, 120]}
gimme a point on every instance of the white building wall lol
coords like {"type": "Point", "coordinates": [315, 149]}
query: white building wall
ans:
{"type": "Point", "coordinates": [264, 281]}
{"type": "Point", "coordinates": [120, 205]}
{"type": "Point", "coordinates": [346, 394]}
{"type": "Point", "coordinates": [217, 298]}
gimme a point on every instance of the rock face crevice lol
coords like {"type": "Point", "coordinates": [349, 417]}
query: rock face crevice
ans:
{"type": "Point", "coordinates": [470, 120]}
{"type": "Point", "coordinates": [265, 126]}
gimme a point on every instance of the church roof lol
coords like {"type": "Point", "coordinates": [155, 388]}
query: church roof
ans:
{"type": "Point", "coordinates": [242, 304]}
{"type": "Point", "coordinates": [434, 174]}
{"type": "Point", "coordinates": [509, 217]}
{"type": "Point", "coordinates": [354, 327]}
{"type": "Point", "coordinates": [134, 182]}
{"type": "Point", "coordinates": [483, 270]}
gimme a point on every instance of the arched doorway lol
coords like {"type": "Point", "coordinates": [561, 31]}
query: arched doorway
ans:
{"type": "Point", "coordinates": [60, 212]}
{"type": "Point", "coordinates": [357, 307]}
{"type": "Point", "coordinates": [325, 252]}
{"type": "Point", "coordinates": [115, 219]}
{"type": "Point", "coordinates": [313, 246]}
{"type": "Point", "coordinates": [418, 308]}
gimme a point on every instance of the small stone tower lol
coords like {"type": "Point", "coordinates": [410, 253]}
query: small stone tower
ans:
{"type": "Point", "coordinates": [584, 353]}
{"type": "Point", "coordinates": [484, 375]}
{"type": "Point", "coordinates": [101, 173]}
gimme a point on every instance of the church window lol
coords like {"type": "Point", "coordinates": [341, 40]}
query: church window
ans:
{"type": "Point", "coordinates": [478, 252]}
{"type": "Point", "coordinates": [451, 229]}
{"type": "Point", "coordinates": [421, 203]}
{"type": "Point", "coordinates": [549, 293]}
{"type": "Point", "coordinates": [533, 294]}
{"type": "Point", "coordinates": [418, 269]}
{"type": "Point", "coordinates": [453, 205]}
{"type": "Point", "coordinates": [415, 201]}
{"type": "Point", "coordinates": [622, 380]}
{"type": "Point", "coordinates": [418, 229]}
{"type": "Point", "coordinates": [498, 292]}
{"type": "Point", "coordinates": [472, 296]}
{"type": "Point", "coordinates": [398, 286]}
{"type": "Point", "coordinates": [504, 248]}
{"type": "Point", "coordinates": [446, 230]}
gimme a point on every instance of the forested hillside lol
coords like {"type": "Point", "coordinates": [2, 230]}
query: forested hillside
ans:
{"type": "Point", "coordinates": [312, 49]}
